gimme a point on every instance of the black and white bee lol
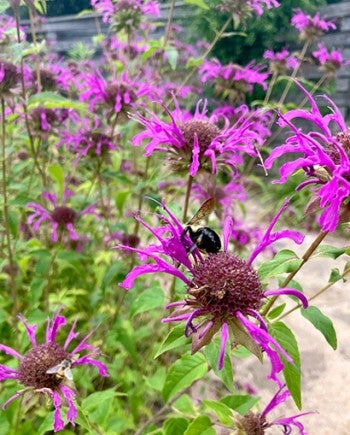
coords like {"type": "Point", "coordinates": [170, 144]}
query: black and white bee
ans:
{"type": "Point", "coordinates": [204, 238]}
{"type": "Point", "coordinates": [62, 371]}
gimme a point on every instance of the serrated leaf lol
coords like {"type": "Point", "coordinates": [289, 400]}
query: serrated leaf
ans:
{"type": "Point", "coordinates": [200, 3]}
{"type": "Point", "coordinates": [175, 426]}
{"type": "Point", "coordinates": [148, 300]}
{"type": "Point", "coordinates": [285, 261]}
{"type": "Point", "coordinates": [211, 353]}
{"type": "Point", "coordinates": [175, 338]}
{"type": "Point", "coordinates": [222, 411]}
{"type": "Point", "coordinates": [292, 372]}
{"type": "Point", "coordinates": [200, 425]}
{"type": "Point", "coordinates": [330, 251]}
{"type": "Point", "coordinates": [183, 373]}
{"type": "Point", "coordinates": [322, 323]}
{"type": "Point", "coordinates": [240, 403]}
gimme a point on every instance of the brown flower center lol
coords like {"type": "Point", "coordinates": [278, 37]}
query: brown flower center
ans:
{"type": "Point", "coordinates": [63, 215]}
{"type": "Point", "coordinates": [206, 132]}
{"type": "Point", "coordinates": [32, 369]}
{"type": "Point", "coordinates": [224, 284]}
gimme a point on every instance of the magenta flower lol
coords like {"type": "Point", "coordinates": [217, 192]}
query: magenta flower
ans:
{"type": "Point", "coordinates": [244, 8]}
{"type": "Point", "coordinates": [232, 80]}
{"type": "Point", "coordinates": [330, 61]}
{"type": "Point", "coordinates": [194, 142]}
{"type": "Point", "coordinates": [88, 140]}
{"type": "Point", "coordinates": [61, 217]}
{"type": "Point", "coordinates": [323, 154]}
{"type": "Point", "coordinates": [256, 423]}
{"type": "Point", "coordinates": [310, 28]}
{"type": "Point", "coordinates": [37, 370]}
{"type": "Point", "coordinates": [280, 61]}
{"type": "Point", "coordinates": [223, 291]}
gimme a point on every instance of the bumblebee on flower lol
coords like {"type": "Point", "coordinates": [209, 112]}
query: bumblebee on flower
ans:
{"type": "Point", "coordinates": [223, 291]}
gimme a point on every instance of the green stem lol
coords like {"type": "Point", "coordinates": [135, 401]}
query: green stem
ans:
{"type": "Point", "coordinates": [304, 259]}
{"type": "Point", "coordinates": [271, 85]}
{"type": "Point", "coordinates": [187, 197]}
{"type": "Point", "coordinates": [323, 289]}
{"type": "Point", "coordinates": [6, 211]}
{"type": "Point", "coordinates": [294, 73]}
{"type": "Point", "coordinates": [168, 24]}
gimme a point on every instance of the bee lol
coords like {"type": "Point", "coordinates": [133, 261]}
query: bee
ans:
{"type": "Point", "coordinates": [204, 238]}
{"type": "Point", "coordinates": [62, 371]}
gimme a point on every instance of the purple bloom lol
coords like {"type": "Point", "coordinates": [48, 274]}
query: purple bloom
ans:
{"type": "Point", "coordinates": [38, 368]}
{"type": "Point", "coordinates": [61, 217]}
{"type": "Point", "coordinates": [88, 140]}
{"type": "Point", "coordinates": [195, 142]}
{"type": "Point", "coordinates": [222, 289]}
{"type": "Point", "coordinates": [233, 81]}
{"type": "Point", "coordinates": [329, 61]}
{"type": "Point", "coordinates": [310, 28]}
{"type": "Point", "coordinates": [245, 7]}
{"type": "Point", "coordinates": [280, 61]}
{"type": "Point", "coordinates": [324, 156]}
{"type": "Point", "coordinates": [256, 423]}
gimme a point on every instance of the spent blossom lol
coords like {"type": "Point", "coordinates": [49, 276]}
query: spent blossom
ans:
{"type": "Point", "coordinates": [197, 142]}
{"type": "Point", "coordinates": [323, 153]}
{"type": "Point", "coordinates": [310, 28]}
{"type": "Point", "coordinates": [256, 423]}
{"type": "Point", "coordinates": [61, 217]}
{"type": "Point", "coordinates": [223, 290]}
{"type": "Point", "coordinates": [36, 370]}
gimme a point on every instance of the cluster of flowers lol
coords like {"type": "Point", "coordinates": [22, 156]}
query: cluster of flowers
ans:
{"type": "Point", "coordinates": [224, 294]}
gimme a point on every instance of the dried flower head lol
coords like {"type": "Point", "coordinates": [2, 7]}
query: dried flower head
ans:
{"type": "Point", "coordinates": [46, 368]}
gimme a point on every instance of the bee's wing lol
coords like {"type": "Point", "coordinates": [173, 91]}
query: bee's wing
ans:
{"type": "Point", "coordinates": [68, 374]}
{"type": "Point", "coordinates": [54, 369]}
{"type": "Point", "coordinates": [205, 209]}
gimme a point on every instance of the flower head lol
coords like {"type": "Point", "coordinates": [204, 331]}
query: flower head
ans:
{"type": "Point", "coordinates": [39, 370]}
{"type": "Point", "coordinates": [195, 142]}
{"type": "Point", "coordinates": [330, 61]}
{"type": "Point", "coordinates": [61, 217]}
{"type": "Point", "coordinates": [233, 81]}
{"type": "Point", "coordinates": [280, 61]}
{"type": "Point", "coordinates": [223, 290]}
{"type": "Point", "coordinates": [244, 9]}
{"type": "Point", "coordinates": [256, 423]}
{"type": "Point", "coordinates": [310, 28]}
{"type": "Point", "coordinates": [323, 154]}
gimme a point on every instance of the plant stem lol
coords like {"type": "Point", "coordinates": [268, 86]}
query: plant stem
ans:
{"type": "Point", "coordinates": [187, 197]}
{"type": "Point", "coordinates": [168, 24]}
{"type": "Point", "coordinates": [323, 289]}
{"type": "Point", "coordinates": [211, 46]}
{"type": "Point", "coordinates": [271, 85]}
{"type": "Point", "coordinates": [294, 73]}
{"type": "Point", "coordinates": [6, 211]}
{"type": "Point", "coordinates": [37, 64]}
{"type": "Point", "coordinates": [304, 258]}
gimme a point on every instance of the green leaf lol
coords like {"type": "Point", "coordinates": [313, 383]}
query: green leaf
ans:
{"type": "Point", "coordinates": [277, 311]}
{"type": "Point", "coordinates": [175, 338]}
{"type": "Point", "coordinates": [193, 62]}
{"type": "Point", "coordinates": [13, 222]}
{"type": "Point", "coordinates": [175, 426]}
{"type": "Point", "coordinates": [200, 426]}
{"type": "Point", "coordinates": [335, 275]}
{"type": "Point", "coordinates": [173, 55]}
{"type": "Point", "coordinates": [322, 323]}
{"type": "Point", "coordinates": [200, 3]}
{"type": "Point", "coordinates": [4, 4]}
{"type": "Point", "coordinates": [184, 404]}
{"type": "Point", "coordinates": [148, 300]}
{"type": "Point", "coordinates": [94, 400]}
{"type": "Point", "coordinates": [211, 352]}
{"type": "Point", "coordinates": [285, 261]}
{"type": "Point", "coordinates": [183, 373]}
{"type": "Point", "coordinates": [57, 176]}
{"type": "Point", "coordinates": [156, 382]}
{"type": "Point", "coordinates": [240, 403]}
{"type": "Point", "coordinates": [51, 100]}
{"type": "Point", "coordinates": [222, 411]}
{"type": "Point", "coordinates": [330, 251]}
{"type": "Point", "coordinates": [120, 199]}
{"type": "Point", "coordinates": [292, 372]}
